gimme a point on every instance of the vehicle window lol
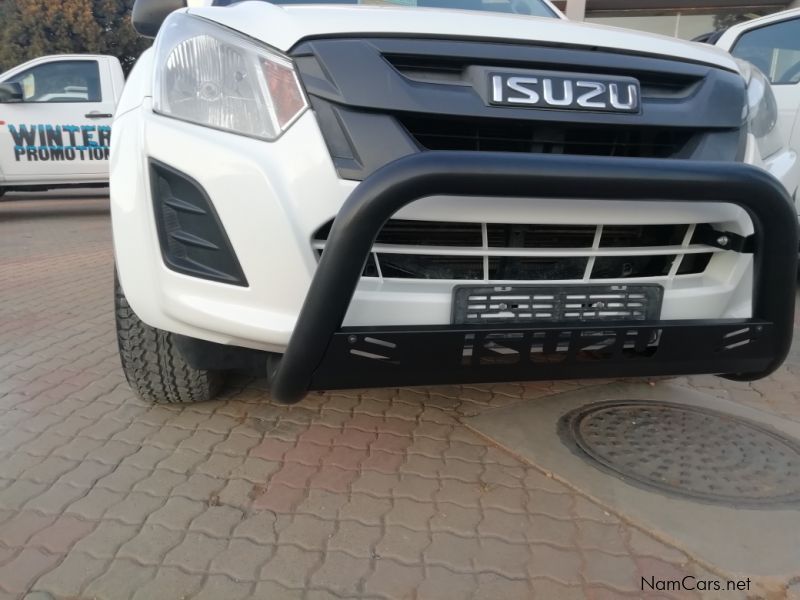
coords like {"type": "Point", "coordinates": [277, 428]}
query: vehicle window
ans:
{"type": "Point", "coordinates": [775, 49]}
{"type": "Point", "coordinates": [62, 81]}
{"type": "Point", "coordinates": [535, 8]}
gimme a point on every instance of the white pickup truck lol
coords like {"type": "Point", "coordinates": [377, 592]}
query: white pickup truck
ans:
{"type": "Point", "coordinates": [55, 121]}
{"type": "Point", "coordinates": [772, 44]}
{"type": "Point", "coordinates": [393, 193]}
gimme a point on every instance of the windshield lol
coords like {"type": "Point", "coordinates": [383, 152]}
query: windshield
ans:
{"type": "Point", "coordinates": [536, 8]}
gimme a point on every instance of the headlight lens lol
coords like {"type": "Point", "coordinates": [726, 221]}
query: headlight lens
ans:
{"type": "Point", "coordinates": [762, 110]}
{"type": "Point", "coordinates": [212, 76]}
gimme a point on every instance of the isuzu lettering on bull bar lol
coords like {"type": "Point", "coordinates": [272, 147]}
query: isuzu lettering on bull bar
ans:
{"type": "Point", "coordinates": [379, 194]}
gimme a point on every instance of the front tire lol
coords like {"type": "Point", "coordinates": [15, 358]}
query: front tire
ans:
{"type": "Point", "coordinates": [154, 367]}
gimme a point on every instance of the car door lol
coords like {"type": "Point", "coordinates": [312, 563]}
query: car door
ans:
{"type": "Point", "coordinates": [61, 130]}
{"type": "Point", "coordinates": [775, 49]}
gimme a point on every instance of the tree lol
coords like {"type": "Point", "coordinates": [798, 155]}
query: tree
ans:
{"type": "Point", "coordinates": [726, 20]}
{"type": "Point", "coordinates": [35, 28]}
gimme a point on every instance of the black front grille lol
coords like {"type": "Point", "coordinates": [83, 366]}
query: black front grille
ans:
{"type": "Point", "coordinates": [501, 135]}
{"type": "Point", "coordinates": [379, 99]}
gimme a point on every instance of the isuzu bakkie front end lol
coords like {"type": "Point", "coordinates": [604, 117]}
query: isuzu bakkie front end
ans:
{"type": "Point", "coordinates": [348, 196]}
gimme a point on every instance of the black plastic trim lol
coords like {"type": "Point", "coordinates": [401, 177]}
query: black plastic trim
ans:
{"type": "Point", "coordinates": [311, 349]}
{"type": "Point", "coordinates": [435, 355]}
{"type": "Point", "coordinates": [205, 250]}
{"type": "Point", "coordinates": [358, 94]}
{"type": "Point", "coordinates": [356, 73]}
{"type": "Point", "coordinates": [202, 354]}
{"type": "Point", "coordinates": [148, 15]}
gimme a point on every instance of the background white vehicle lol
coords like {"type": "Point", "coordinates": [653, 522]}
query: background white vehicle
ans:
{"type": "Point", "coordinates": [55, 121]}
{"type": "Point", "coordinates": [354, 196]}
{"type": "Point", "coordinates": [772, 44]}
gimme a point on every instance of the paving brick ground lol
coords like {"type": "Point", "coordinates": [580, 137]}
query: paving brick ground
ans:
{"type": "Point", "coordinates": [370, 494]}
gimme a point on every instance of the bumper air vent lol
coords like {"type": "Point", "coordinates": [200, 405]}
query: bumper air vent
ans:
{"type": "Point", "coordinates": [193, 241]}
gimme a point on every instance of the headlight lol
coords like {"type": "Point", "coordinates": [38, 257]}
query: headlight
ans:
{"type": "Point", "coordinates": [210, 75]}
{"type": "Point", "coordinates": [761, 109]}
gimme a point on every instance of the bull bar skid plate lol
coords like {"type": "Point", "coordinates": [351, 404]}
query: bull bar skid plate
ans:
{"type": "Point", "coordinates": [323, 355]}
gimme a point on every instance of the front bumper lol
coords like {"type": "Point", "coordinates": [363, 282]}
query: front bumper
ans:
{"type": "Point", "coordinates": [321, 354]}
{"type": "Point", "coordinates": [271, 203]}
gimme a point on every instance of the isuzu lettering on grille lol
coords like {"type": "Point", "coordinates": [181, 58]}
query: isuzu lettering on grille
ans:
{"type": "Point", "coordinates": [567, 92]}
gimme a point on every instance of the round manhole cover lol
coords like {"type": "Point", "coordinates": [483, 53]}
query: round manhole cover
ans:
{"type": "Point", "coordinates": [688, 451]}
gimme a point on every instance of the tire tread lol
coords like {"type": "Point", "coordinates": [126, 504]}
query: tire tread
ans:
{"type": "Point", "coordinates": [153, 365]}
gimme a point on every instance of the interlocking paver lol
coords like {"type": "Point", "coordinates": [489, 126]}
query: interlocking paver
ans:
{"type": "Point", "coordinates": [391, 579]}
{"type": "Point", "coordinates": [123, 479]}
{"type": "Point", "coordinates": [443, 583]}
{"type": "Point", "coordinates": [106, 539]}
{"type": "Point", "coordinates": [120, 581]}
{"type": "Point", "coordinates": [355, 538]}
{"type": "Point", "coordinates": [59, 537]}
{"type": "Point", "coordinates": [17, 530]}
{"type": "Point", "coordinates": [616, 572]}
{"type": "Point", "coordinates": [17, 575]}
{"type": "Point", "coordinates": [403, 545]}
{"type": "Point", "coordinates": [195, 552]}
{"type": "Point", "coordinates": [19, 493]}
{"type": "Point", "coordinates": [491, 587]}
{"type": "Point", "coordinates": [176, 513]}
{"type": "Point", "coordinates": [218, 587]}
{"type": "Point", "coordinates": [217, 521]}
{"type": "Point", "coordinates": [260, 528]}
{"type": "Point", "coordinates": [273, 589]}
{"type": "Point", "coordinates": [151, 544]}
{"type": "Point", "coordinates": [291, 566]}
{"type": "Point", "coordinates": [559, 564]}
{"type": "Point", "coordinates": [340, 573]}
{"type": "Point", "coordinates": [95, 503]}
{"type": "Point", "coordinates": [308, 532]}
{"type": "Point", "coordinates": [453, 552]}
{"type": "Point", "coordinates": [71, 576]}
{"type": "Point", "coordinates": [134, 508]}
{"type": "Point", "coordinates": [241, 560]}
{"type": "Point", "coordinates": [374, 493]}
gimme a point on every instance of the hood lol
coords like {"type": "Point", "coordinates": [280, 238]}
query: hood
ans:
{"type": "Point", "coordinates": [284, 26]}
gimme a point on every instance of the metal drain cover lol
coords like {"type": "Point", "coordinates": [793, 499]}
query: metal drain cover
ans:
{"type": "Point", "coordinates": [687, 451]}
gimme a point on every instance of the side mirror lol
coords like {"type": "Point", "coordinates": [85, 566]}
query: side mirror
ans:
{"type": "Point", "coordinates": [11, 92]}
{"type": "Point", "coordinates": [149, 15]}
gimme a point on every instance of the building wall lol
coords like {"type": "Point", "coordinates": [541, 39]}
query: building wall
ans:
{"type": "Point", "coordinates": [685, 26]}
{"type": "Point", "coordinates": [681, 23]}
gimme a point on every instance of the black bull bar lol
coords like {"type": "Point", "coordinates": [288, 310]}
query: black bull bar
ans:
{"type": "Point", "coordinates": [323, 355]}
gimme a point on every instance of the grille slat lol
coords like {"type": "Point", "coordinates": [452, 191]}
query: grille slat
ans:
{"type": "Point", "coordinates": [511, 135]}
{"type": "Point", "coordinates": [447, 70]}
{"type": "Point", "coordinates": [431, 250]}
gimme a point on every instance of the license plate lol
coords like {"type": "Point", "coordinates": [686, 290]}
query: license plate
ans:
{"type": "Point", "coordinates": [565, 91]}
{"type": "Point", "coordinates": [556, 304]}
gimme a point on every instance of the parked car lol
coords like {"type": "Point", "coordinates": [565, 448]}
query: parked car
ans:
{"type": "Point", "coordinates": [772, 44]}
{"type": "Point", "coordinates": [55, 121]}
{"type": "Point", "coordinates": [340, 196]}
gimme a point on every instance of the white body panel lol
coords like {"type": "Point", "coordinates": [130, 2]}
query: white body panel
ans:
{"type": "Point", "coordinates": [63, 137]}
{"type": "Point", "coordinates": [272, 197]}
{"type": "Point", "coordinates": [787, 94]}
{"type": "Point", "coordinates": [282, 27]}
